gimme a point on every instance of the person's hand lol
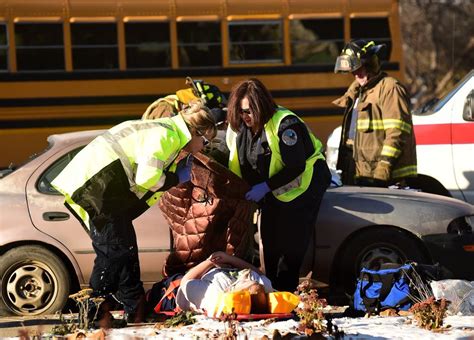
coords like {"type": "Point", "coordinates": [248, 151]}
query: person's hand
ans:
{"type": "Point", "coordinates": [184, 174]}
{"type": "Point", "coordinates": [335, 178]}
{"type": "Point", "coordinates": [220, 259]}
{"type": "Point", "coordinates": [382, 171]}
{"type": "Point", "coordinates": [257, 192]}
{"type": "Point", "coordinates": [184, 169]}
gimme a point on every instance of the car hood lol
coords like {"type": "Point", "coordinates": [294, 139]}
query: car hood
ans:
{"type": "Point", "coordinates": [408, 196]}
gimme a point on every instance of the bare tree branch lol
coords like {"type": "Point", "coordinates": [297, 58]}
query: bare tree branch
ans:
{"type": "Point", "coordinates": [438, 45]}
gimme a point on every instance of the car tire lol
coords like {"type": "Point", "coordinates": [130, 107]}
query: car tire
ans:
{"type": "Point", "coordinates": [370, 249]}
{"type": "Point", "coordinates": [33, 281]}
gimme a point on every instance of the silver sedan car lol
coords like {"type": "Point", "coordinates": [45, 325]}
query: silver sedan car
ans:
{"type": "Point", "coordinates": [45, 254]}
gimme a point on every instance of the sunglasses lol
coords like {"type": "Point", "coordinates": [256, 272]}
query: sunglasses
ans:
{"type": "Point", "coordinates": [247, 111]}
{"type": "Point", "coordinates": [205, 141]}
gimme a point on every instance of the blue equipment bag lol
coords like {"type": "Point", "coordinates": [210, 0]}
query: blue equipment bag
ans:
{"type": "Point", "coordinates": [377, 290]}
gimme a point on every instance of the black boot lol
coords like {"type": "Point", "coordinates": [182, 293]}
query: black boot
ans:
{"type": "Point", "coordinates": [102, 318]}
{"type": "Point", "coordinates": [137, 316]}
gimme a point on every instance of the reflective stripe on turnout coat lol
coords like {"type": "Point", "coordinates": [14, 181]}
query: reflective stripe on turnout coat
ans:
{"type": "Point", "coordinates": [384, 127]}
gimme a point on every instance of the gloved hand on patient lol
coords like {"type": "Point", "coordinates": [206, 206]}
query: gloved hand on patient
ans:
{"type": "Point", "coordinates": [184, 169]}
{"type": "Point", "coordinates": [257, 192]}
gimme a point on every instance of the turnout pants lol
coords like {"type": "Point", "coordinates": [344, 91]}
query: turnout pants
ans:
{"type": "Point", "coordinates": [116, 267]}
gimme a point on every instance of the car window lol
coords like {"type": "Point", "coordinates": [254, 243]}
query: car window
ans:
{"type": "Point", "coordinates": [447, 97]}
{"type": "Point", "coordinates": [44, 182]}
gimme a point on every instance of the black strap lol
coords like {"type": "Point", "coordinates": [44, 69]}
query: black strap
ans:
{"type": "Point", "coordinates": [371, 304]}
{"type": "Point", "coordinates": [374, 304]}
{"type": "Point", "coordinates": [387, 283]}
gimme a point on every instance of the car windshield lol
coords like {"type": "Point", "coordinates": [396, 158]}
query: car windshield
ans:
{"type": "Point", "coordinates": [435, 104]}
{"type": "Point", "coordinates": [426, 107]}
{"type": "Point", "coordinates": [12, 167]}
{"type": "Point", "coordinates": [450, 94]}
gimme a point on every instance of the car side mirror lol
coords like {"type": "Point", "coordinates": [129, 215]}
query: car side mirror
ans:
{"type": "Point", "coordinates": [468, 110]}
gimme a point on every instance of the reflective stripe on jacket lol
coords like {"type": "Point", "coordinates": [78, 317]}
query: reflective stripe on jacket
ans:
{"type": "Point", "coordinates": [384, 127]}
{"type": "Point", "coordinates": [297, 186]}
{"type": "Point", "coordinates": [113, 172]}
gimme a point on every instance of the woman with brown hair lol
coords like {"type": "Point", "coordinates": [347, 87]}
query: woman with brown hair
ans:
{"type": "Point", "coordinates": [276, 153]}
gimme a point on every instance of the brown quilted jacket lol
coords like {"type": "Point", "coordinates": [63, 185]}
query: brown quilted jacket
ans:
{"type": "Point", "coordinates": [207, 214]}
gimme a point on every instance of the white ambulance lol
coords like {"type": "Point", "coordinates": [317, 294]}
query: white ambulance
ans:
{"type": "Point", "coordinates": [444, 143]}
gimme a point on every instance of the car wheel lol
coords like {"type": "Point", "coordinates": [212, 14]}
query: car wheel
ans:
{"type": "Point", "coordinates": [372, 248]}
{"type": "Point", "coordinates": [33, 281]}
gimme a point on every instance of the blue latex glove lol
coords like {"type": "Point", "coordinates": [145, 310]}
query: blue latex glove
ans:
{"type": "Point", "coordinates": [257, 192]}
{"type": "Point", "coordinates": [184, 171]}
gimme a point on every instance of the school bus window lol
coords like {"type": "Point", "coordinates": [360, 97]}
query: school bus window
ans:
{"type": "Point", "coordinates": [316, 41]}
{"type": "Point", "coordinates": [39, 46]}
{"type": "Point", "coordinates": [199, 44]}
{"type": "Point", "coordinates": [255, 42]}
{"type": "Point", "coordinates": [94, 46]}
{"type": "Point", "coordinates": [376, 29]}
{"type": "Point", "coordinates": [148, 44]}
{"type": "Point", "coordinates": [3, 48]}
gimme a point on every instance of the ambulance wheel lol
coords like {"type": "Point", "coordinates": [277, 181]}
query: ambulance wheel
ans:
{"type": "Point", "coordinates": [371, 248]}
{"type": "Point", "coordinates": [33, 281]}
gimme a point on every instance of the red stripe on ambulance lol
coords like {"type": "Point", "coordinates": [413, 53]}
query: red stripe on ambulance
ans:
{"type": "Point", "coordinates": [463, 133]}
{"type": "Point", "coordinates": [429, 134]}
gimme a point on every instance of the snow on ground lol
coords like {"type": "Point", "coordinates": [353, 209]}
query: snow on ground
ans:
{"type": "Point", "coordinates": [205, 328]}
{"type": "Point", "coordinates": [462, 327]}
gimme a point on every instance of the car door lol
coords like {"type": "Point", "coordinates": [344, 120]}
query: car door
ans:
{"type": "Point", "coordinates": [462, 128]}
{"type": "Point", "coordinates": [49, 215]}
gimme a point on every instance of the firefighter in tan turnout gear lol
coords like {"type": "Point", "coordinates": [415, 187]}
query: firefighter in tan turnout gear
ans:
{"type": "Point", "coordinates": [377, 142]}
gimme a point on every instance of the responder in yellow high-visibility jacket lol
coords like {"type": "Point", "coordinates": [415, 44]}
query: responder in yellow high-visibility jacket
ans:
{"type": "Point", "coordinates": [275, 152]}
{"type": "Point", "coordinates": [378, 142]}
{"type": "Point", "coordinates": [212, 97]}
{"type": "Point", "coordinates": [117, 177]}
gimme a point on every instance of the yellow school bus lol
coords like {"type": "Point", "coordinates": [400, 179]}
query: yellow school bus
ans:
{"type": "Point", "coordinates": [81, 64]}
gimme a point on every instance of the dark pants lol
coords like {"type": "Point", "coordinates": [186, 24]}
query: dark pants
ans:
{"type": "Point", "coordinates": [287, 228]}
{"type": "Point", "coordinates": [116, 267]}
{"type": "Point", "coordinates": [346, 164]}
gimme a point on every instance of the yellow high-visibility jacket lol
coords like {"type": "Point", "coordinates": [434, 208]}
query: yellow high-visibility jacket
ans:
{"type": "Point", "coordinates": [123, 169]}
{"type": "Point", "coordinates": [296, 187]}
